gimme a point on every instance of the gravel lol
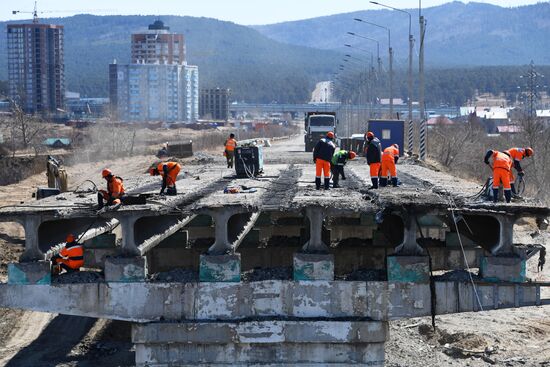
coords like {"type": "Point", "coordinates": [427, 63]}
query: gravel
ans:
{"type": "Point", "coordinates": [78, 277]}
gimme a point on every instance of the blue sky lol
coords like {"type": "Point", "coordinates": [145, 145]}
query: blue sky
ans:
{"type": "Point", "coordinates": [238, 11]}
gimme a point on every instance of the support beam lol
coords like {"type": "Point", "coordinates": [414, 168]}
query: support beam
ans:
{"type": "Point", "coordinates": [409, 245]}
{"type": "Point", "coordinates": [153, 241]}
{"type": "Point", "coordinates": [129, 247]}
{"type": "Point", "coordinates": [247, 228]}
{"type": "Point", "coordinates": [31, 223]}
{"type": "Point", "coordinates": [316, 216]}
{"type": "Point", "coordinates": [505, 243]}
{"type": "Point", "coordinates": [221, 244]}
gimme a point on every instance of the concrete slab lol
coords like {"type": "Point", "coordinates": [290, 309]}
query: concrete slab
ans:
{"type": "Point", "coordinates": [125, 269]}
{"type": "Point", "coordinates": [407, 269]}
{"type": "Point", "coordinates": [37, 272]}
{"type": "Point", "coordinates": [507, 269]}
{"type": "Point", "coordinates": [313, 266]}
{"type": "Point", "coordinates": [220, 268]}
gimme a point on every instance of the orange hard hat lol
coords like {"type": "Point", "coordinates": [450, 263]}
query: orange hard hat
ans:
{"type": "Point", "coordinates": [106, 172]}
{"type": "Point", "coordinates": [352, 155]}
{"type": "Point", "coordinates": [330, 135]}
{"type": "Point", "coordinates": [370, 135]}
{"type": "Point", "coordinates": [529, 152]}
{"type": "Point", "coordinates": [70, 238]}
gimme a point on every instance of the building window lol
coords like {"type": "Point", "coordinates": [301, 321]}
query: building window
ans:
{"type": "Point", "coordinates": [386, 134]}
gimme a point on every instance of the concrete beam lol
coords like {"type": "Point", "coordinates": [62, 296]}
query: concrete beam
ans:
{"type": "Point", "coordinates": [31, 223]}
{"type": "Point", "coordinates": [247, 228]}
{"type": "Point", "coordinates": [157, 238]}
{"type": "Point", "coordinates": [378, 301]}
{"type": "Point", "coordinates": [505, 243]}
{"type": "Point", "coordinates": [315, 244]}
{"type": "Point", "coordinates": [409, 245]}
{"type": "Point", "coordinates": [129, 246]}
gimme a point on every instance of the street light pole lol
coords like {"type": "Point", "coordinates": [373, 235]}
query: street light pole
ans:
{"type": "Point", "coordinates": [411, 47]}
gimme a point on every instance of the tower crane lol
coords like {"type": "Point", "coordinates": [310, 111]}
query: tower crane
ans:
{"type": "Point", "coordinates": [35, 12]}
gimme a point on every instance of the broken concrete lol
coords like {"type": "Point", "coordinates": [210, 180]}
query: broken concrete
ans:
{"type": "Point", "coordinates": [313, 266]}
{"type": "Point", "coordinates": [38, 272]}
{"type": "Point", "coordinates": [125, 269]}
{"type": "Point", "coordinates": [503, 268]}
{"type": "Point", "coordinates": [220, 268]}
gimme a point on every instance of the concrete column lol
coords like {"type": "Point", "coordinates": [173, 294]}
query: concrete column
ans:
{"type": "Point", "coordinates": [129, 246]}
{"type": "Point", "coordinates": [315, 243]}
{"type": "Point", "coordinates": [32, 248]}
{"type": "Point", "coordinates": [221, 245]}
{"type": "Point", "coordinates": [505, 243]}
{"type": "Point", "coordinates": [409, 245]}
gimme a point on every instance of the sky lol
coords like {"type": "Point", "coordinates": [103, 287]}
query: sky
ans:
{"type": "Point", "coordinates": [246, 12]}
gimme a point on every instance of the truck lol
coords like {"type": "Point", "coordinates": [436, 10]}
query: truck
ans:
{"type": "Point", "coordinates": [317, 125]}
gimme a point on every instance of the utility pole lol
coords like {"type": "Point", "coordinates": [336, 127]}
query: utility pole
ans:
{"type": "Point", "coordinates": [423, 128]}
{"type": "Point", "coordinates": [391, 83]}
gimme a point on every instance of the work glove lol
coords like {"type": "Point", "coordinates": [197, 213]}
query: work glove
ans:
{"type": "Point", "coordinates": [521, 174]}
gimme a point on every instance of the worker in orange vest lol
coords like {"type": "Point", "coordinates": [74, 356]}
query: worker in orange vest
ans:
{"type": "Point", "coordinates": [517, 154]}
{"type": "Point", "coordinates": [373, 153]}
{"type": "Point", "coordinates": [70, 258]}
{"type": "Point", "coordinates": [230, 145]}
{"type": "Point", "coordinates": [322, 156]}
{"type": "Point", "coordinates": [169, 172]}
{"type": "Point", "coordinates": [115, 189]}
{"type": "Point", "coordinates": [390, 156]}
{"type": "Point", "coordinates": [502, 165]}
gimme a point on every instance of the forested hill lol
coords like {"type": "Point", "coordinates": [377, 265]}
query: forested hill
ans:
{"type": "Point", "coordinates": [254, 66]}
{"type": "Point", "coordinates": [457, 33]}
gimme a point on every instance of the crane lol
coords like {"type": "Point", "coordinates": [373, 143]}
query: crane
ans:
{"type": "Point", "coordinates": [35, 11]}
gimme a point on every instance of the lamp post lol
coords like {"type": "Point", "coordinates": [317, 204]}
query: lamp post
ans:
{"type": "Point", "coordinates": [379, 67]}
{"type": "Point", "coordinates": [411, 46]}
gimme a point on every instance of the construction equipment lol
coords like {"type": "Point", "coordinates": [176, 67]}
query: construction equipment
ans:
{"type": "Point", "coordinates": [249, 160]}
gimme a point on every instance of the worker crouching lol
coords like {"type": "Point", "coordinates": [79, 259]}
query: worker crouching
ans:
{"type": "Point", "coordinates": [115, 190]}
{"type": "Point", "coordinates": [70, 258]}
{"type": "Point", "coordinates": [390, 156]}
{"type": "Point", "coordinates": [322, 156]}
{"type": "Point", "coordinates": [502, 164]}
{"type": "Point", "coordinates": [339, 160]}
{"type": "Point", "coordinates": [169, 172]}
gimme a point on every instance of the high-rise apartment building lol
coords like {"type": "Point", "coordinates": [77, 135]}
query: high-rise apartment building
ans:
{"type": "Point", "coordinates": [214, 104]}
{"type": "Point", "coordinates": [158, 46]}
{"type": "Point", "coordinates": [35, 67]}
{"type": "Point", "coordinates": [158, 85]}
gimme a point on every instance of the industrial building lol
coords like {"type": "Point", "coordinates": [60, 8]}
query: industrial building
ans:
{"type": "Point", "coordinates": [158, 85]}
{"type": "Point", "coordinates": [35, 67]}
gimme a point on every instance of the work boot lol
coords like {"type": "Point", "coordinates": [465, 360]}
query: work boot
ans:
{"type": "Point", "coordinates": [508, 195]}
{"type": "Point", "coordinates": [374, 181]}
{"type": "Point", "coordinates": [394, 181]}
{"type": "Point", "coordinates": [318, 183]}
{"type": "Point", "coordinates": [343, 176]}
{"type": "Point", "coordinates": [327, 183]}
{"type": "Point", "coordinates": [335, 181]}
{"type": "Point", "coordinates": [383, 182]}
{"type": "Point", "coordinates": [495, 195]}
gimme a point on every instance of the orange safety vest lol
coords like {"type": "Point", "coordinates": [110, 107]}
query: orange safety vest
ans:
{"type": "Point", "coordinates": [230, 145]}
{"type": "Point", "coordinates": [501, 160]}
{"type": "Point", "coordinates": [390, 153]}
{"type": "Point", "coordinates": [115, 187]}
{"type": "Point", "coordinates": [517, 154]}
{"type": "Point", "coordinates": [75, 252]}
{"type": "Point", "coordinates": [173, 170]}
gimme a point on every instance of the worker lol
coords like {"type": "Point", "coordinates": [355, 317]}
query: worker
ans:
{"type": "Point", "coordinates": [517, 154]}
{"type": "Point", "coordinates": [502, 165]}
{"type": "Point", "coordinates": [322, 155]}
{"type": "Point", "coordinates": [339, 160]}
{"type": "Point", "coordinates": [373, 152]}
{"type": "Point", "coordinates": [390, 156]}
{"type": "Point", "coordinates": [230, 145]}
{"type": "Point", "coordinates": [169, 172]}
{"type": "Point", "coordinates": [70, 258]}
{"type": "Point", "coordinates": [115, 189]}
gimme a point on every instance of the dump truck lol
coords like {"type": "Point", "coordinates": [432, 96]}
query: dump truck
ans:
{"type": "Point", "coordinates": [317, 125]}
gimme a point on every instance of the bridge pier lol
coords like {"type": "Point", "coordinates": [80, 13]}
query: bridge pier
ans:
{"type": "Point", "coordinates": [32, 252]}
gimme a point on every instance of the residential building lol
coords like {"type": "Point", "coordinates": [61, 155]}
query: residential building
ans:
{"type": "Point", "coordinates": [35, 67]}
{"type": "Point", "coordinates": [214, 104]}
{"type": "Point", "coordinates": [158, 46]}
{"type": "Point", "coordinates": [158, 85]}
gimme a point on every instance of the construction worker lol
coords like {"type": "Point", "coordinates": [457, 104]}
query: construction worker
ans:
{"type": "Point", "coordinates": [169, 172]}
{"type": "Point", "coordinates": [322, 155]}
{"type": "Point", "coordinates": [517, 154]}
{"type": "Point", "coordinates": [115, 190]}
{"type": "Point", "coordinates": [390, 156]}
{"type": "Point", "coordinates": [373, 152]}
{"type": "Point", "coordinates": [339, 160]}
{"type": "Point", "coordinates": [230, 145]}
{"type": "Point", "coordinates": [502, 165]}
{"type": "Point", "coordinates": [70, 258]}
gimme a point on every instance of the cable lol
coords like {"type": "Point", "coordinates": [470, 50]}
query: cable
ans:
{"type": "Point", "coordinates": [83, 182]}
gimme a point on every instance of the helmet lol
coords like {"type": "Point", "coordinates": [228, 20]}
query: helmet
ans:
{"type": "Point", "coordinates": [370, 135]}
{"type": "Point", "coordinates": [106, 172]}
{"type": "Point", "coordinates": [70, 238]}
{"type": "Point", "coordinates": [529, 152]}
{"type": "Point", "coordinates": [352, 155]}
{"type": "Point", "coordinates": [395, 145]}
{"type": "Point", "coordinates": [330, 135]}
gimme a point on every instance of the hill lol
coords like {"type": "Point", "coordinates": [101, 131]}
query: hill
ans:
{"type": "Point", "coordinates": [457, 34]}
{"type": "Point", "coordinates": [254, 66]}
